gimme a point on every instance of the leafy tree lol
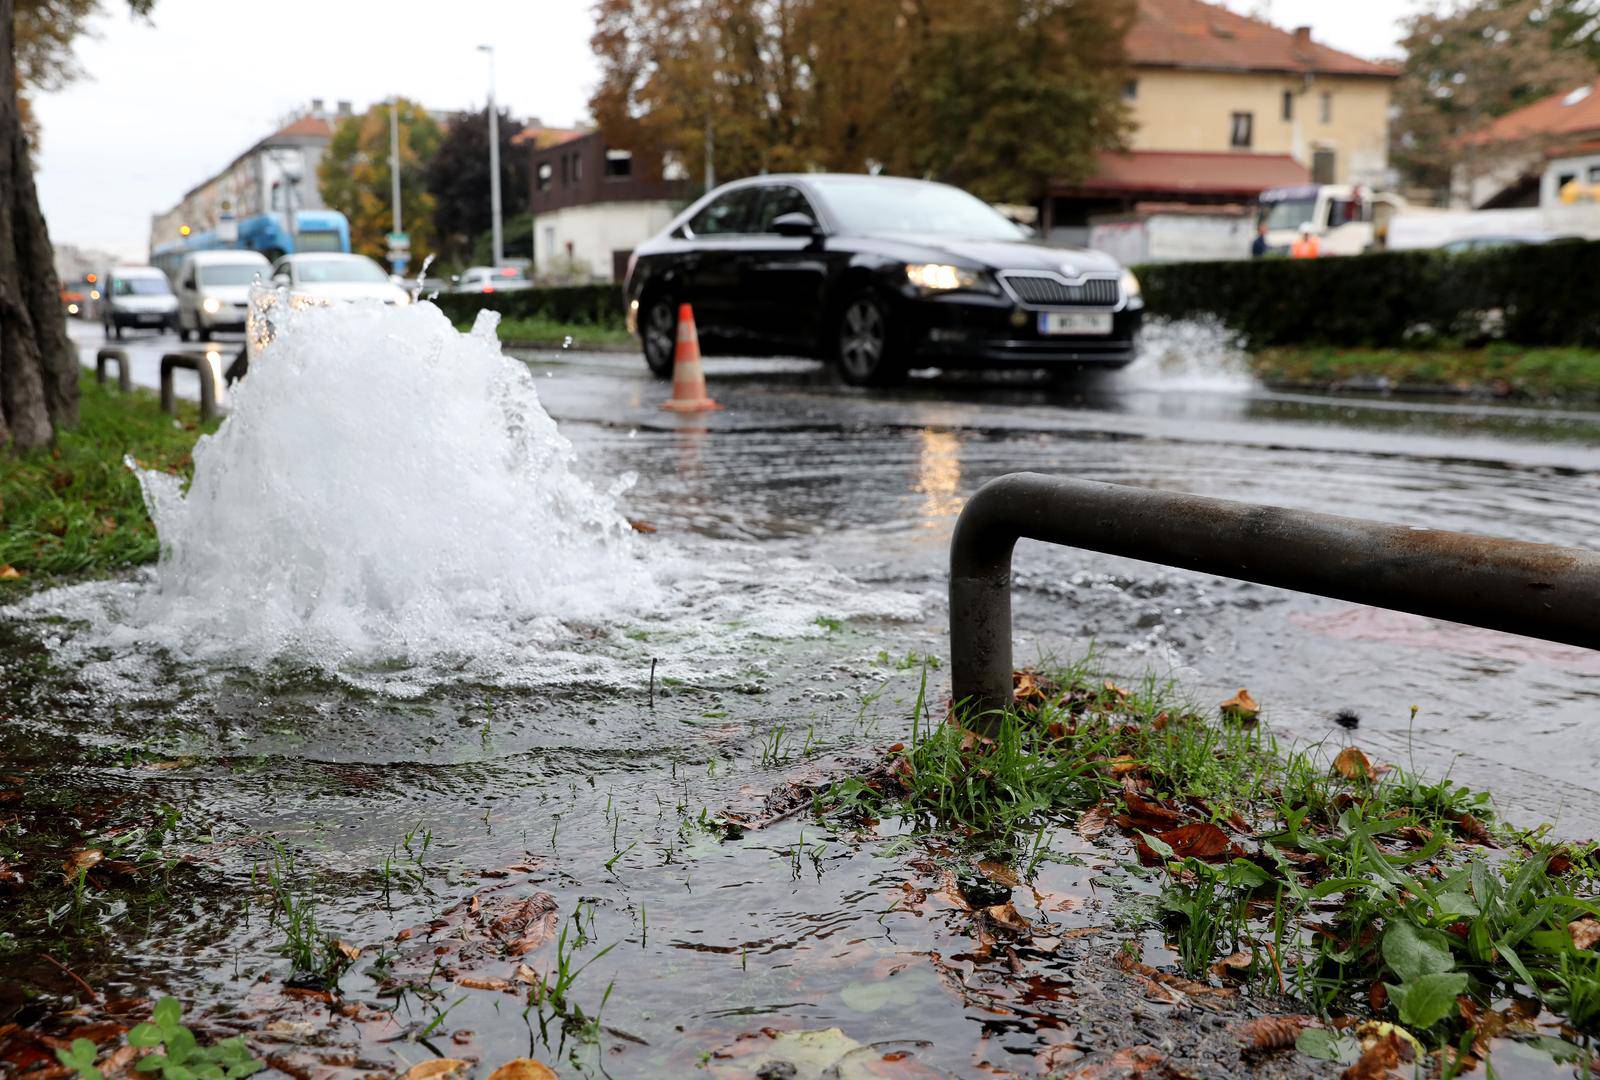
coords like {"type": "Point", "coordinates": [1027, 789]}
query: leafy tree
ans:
{"type": "Point", "coordinates": [38, 364]}
{"type": "Point", "coordinates": [458, 179]}
{"type": "Point", "coordinates": [999, 95]}
{"type": "Point", "coordinates": [354, 177]}
{"type": "Point", "coordinates": [1467, 63]}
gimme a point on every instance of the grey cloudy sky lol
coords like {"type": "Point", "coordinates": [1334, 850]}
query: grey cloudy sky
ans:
{"type": "Point", "coordinates": [169, 102]}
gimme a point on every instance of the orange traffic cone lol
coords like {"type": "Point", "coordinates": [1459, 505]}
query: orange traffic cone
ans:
{"type": "Point", "coordinates": [688, 377]}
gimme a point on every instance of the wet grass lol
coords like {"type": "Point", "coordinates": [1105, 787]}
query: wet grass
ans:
{"type": "Point", "coordinates": [1364, 892]}
{"type": "Point", "coordinates": [1499, 369]}
{"type": "Point", "coordinates": [75, 508]}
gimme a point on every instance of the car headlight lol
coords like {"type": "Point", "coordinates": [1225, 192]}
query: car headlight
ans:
{"type": "Point", "coordinates": [941, 277]}
{"type": "Point", "coordinates": [403, 298]}
{"type": "Point", "coordinates": [1130, 286]}
{"type": "Point", "coordinates": [212, 305]}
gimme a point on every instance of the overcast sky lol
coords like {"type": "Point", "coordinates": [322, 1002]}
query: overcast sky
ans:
{"type": "Point", "coordinates": [167, 103]}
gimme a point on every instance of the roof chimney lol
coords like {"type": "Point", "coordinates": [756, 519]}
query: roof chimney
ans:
{"type": "Point", "coordinates": [1302, 36]}
{"type": "Point", "coordinates": [316, 105]}
{"type": "Point", "coordinates": [344, 110]}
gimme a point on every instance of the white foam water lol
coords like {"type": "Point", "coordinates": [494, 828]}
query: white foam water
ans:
{"type": "Point", "coordinates": [389, 502]}
{"type": "Point", "coordinates": [1188, 354]}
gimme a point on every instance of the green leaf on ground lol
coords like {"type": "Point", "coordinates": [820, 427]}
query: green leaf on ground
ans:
{"type": "Point", "coordinates": [1427, 999]}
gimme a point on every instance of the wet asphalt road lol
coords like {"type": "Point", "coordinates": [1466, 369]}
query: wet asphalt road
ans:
{"type": "Point", "coordinates": [870, 482]}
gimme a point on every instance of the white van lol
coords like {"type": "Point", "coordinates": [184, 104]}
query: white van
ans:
{"type": "Point", "coordinates": [137, 296]}
{"type": "Point", "coordinates": [214, 290]}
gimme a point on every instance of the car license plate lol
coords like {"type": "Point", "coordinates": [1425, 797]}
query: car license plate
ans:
{"type": "Point", "coordinates": [1074, 322]}
{"type": "Point", "coordinates": [150, 319]}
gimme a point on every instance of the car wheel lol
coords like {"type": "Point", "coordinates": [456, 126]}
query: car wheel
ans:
{"type": "Point", "coordinates": [866, 350]}
{"type": "Point", "coordinates": [116, 329]}
{"type": "Point", "coordinates": [658, 332]}
{"type": "Point", "coordinates": [183, 331]}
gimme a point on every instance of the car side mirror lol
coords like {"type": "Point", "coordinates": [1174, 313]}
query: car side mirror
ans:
{"type": "Point", "coordinates": [795, 224]}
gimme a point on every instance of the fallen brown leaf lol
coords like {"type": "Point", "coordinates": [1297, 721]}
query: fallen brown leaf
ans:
{"type": "Point", "coordinates": [1380, 1055]}
{"type": "Point", "coordinates": [1352, 764]}
{"type": "Point", "coordinates": [1200, 839]}
{"type": "Point", "coordinates": [81, 860]}
{"type": "Point", "coordinates": [523, 1068]}
{"type": "Point", "coordinates": [1006, 915]}
{"type": "Point", "coordinates": [1094, 821]}
{"type": "Point", "coordinates": [1585, 932]}
{"type": "Point", "coordinates": [1241, 707]}
{"type": "Point", "coordinates": [1234, 967]}
{"type": "Point", "coordinates": [999, 873]}
{"type": "Point", "coordinates": [1272, 1032]}
{"type": "Point", "coordinates": [9, 572]}
{"type": "Point", "coordinates": [1474, 830]}
{"type": "Point", "coordinates": [435, 1067]}
{"type": "Point", "coordinates": [347, 950]}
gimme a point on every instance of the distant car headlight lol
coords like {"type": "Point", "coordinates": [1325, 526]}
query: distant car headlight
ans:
{"type": "Point", "coordinates": [941, 277]}
{"type": "Point", "coordinates": [1130, 286]}
{"type": "Point", "coordinates": [72, 309]}
{"type": "Point", "coordinates": [212, 305]}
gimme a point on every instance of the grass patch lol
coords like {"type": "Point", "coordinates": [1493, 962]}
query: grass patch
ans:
{"type": "Point", "coordinates": [545, 331]}
{"type": "Point", "coordinates": [1365, 892]}
{"type": "Point", "coordinates": [1497, 368]}
{"type": "Point", "coordinates": [74, 508]}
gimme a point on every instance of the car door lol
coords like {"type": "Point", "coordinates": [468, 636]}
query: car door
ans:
{"type": "Point", "coordinates": [783, 276]}
{"type": "Point", "coordinates": [717, 237]}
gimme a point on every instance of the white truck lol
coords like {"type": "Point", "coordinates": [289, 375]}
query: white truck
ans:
{"type": "Point", "coordinates": [1347, 219]}
{"type": "Point", "coordinates": [1467, 229]}
{"type": "Point", "coordinates": [1173, 234]}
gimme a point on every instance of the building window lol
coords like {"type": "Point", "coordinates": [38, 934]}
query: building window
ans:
{"type": "Point", "coordinates": [1240, 136]}
{"type": "Point", "coordinates": [577, 168]}
{"type": "Point", "coordinates": [619, 164]}
{"type": "Point", "coordinates": [1323, 166]}
{"type": "Point", "coordinates": [546, 172]}
{"type": "Point", "coordinates": [1288, 105]}
{"type": "Point", "coordinates": [566, 170]}
{"type": "Point", "coordinates": [1327, 107]}
{"type": "Point", "coordinates": [1130, 89]}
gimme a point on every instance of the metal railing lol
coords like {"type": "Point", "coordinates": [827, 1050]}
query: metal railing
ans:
{"type": "Point", "coordinates": [124, 376]}
{"type": "Point", "coordinates": [205, 364]}
{"type": "Point", "coordinates": [1535, 590]}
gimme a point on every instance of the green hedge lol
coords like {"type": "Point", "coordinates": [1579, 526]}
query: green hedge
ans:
{"type": "Point", "coordinates": [599, 305]}
{"type": "Point", "coordinates": [1535, 294]}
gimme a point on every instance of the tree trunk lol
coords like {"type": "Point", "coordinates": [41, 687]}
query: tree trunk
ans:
{"type": "Point", "coordinates": [38, 363]}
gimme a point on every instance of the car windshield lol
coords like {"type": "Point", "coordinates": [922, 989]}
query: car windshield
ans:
{"type": "Point", "coordinates": [1290, 213]}
{"type": "Point", "coordinates": [862, 205]}
{"type": "Point", "coordinates": [230, 273]}
{"type": "Point", "coordinates": [338, 271]}
{"type": "Point", "coordinates": [154, 285]}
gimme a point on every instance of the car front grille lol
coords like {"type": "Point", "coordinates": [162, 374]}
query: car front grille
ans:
{"type": "Point", "coordinates": [1042, 288]}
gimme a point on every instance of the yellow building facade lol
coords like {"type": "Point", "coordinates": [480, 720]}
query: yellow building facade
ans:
{"type": "Point", "coordinates": [1336, 126]}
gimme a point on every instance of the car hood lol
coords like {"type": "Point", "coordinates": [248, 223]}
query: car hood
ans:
{"type": "Point", "coordinates": [145, 304]}
{"type": "Point", "coordinates": [352, 290]}
{"type": "Point", "coordinates": [227, 294]}
{"type": "Point", "coordinates": [999, 254]}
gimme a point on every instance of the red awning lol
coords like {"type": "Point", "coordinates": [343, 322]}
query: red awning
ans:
{"type": "Point", "coordinates": [1171, 173]}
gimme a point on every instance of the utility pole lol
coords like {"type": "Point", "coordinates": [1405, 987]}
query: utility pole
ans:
{"type": "Point", "coordinates": [710, 56]}
{"type": "Point", "coordinates": [494, 164]}
{"type": "Point", "coordinates": [396, 262]}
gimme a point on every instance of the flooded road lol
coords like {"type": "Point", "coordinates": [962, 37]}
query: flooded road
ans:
{"type": "Point", "coordinates": [575, 791]}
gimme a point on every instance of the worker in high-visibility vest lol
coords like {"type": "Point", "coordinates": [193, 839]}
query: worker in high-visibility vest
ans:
{"type": "Point", "coordinates": [1306, 245]}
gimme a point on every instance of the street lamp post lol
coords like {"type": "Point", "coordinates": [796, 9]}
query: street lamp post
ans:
{"type": "Point", "coordinates": [494, 164]}
{"type": "Point", "coordinates": [396, 263]}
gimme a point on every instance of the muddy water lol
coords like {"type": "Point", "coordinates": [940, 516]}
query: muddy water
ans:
{"type": "Point", "coordinates": [593, 788]}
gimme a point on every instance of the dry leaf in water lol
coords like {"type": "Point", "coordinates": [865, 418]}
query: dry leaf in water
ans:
{"type": "Point", "coordinates": [347, 950]}
{"type": "Point", "coordinates": [1200, 839]}
{"type": "Point", "coordinates": [1241, 706]}
{"type": "Point", "coordinates": [1094, 821]}
{"type": "Point", "coordinates": [523, 1069]}
{"type": "Point", "coordinates": [1585, 932]}
{"type": "Point", "coordinates": [81, 860]}
{"type": "Point", "coordinates": [1352, 764]}
{"type": "Point", "coordinates": [434, 1068]}
{"type": "Point", "coordinates": [1234, 967]}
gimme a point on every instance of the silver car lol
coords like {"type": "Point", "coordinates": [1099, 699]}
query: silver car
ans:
{"type": "Point", "coordinates": [137, 296]}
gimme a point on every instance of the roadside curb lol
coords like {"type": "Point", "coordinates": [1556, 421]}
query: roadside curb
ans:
{"type": "Point", "coordinates": [561, 346]}
{"type": "Point", "coordinates": [1482, 391]}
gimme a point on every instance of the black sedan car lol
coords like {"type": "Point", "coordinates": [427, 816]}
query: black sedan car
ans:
{"type": "Point", "coordinates": [878, 274]}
